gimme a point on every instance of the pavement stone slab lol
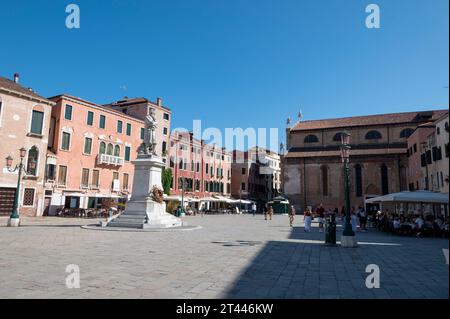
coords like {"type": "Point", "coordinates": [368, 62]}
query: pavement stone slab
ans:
{"type": "Point", "coordinates": [231, 256]}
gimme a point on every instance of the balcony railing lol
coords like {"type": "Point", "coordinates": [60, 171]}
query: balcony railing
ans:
{"type": "Point", "coordinates": [109, 160]}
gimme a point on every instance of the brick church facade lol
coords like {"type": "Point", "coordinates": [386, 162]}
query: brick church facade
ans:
{"type": "Point", "coordinates": [313, 170]}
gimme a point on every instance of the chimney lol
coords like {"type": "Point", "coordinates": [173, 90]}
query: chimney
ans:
{"type": "Point", "coordinates": [16, 78]}
{"type": "Point", "coordinates": [159, 101]}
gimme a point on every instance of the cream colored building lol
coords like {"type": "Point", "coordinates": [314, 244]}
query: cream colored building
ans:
{"type": "Point", "coordinates": [438, 145]}
{"type": "Point", "coordinates": [24, 122]}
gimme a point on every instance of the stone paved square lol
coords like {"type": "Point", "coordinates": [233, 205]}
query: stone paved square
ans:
{"type": "Point", "coordinates": [231, 256]}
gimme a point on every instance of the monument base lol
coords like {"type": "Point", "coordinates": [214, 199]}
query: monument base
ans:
{"type": "Point", "coordinates": [142, 211]}
{"type": "Point", "coordinates": [349, 241]}
{"type": "Point", "coordinates": [145, 214]}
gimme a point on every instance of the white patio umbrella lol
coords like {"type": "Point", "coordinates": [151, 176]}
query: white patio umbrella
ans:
{"type": "Point", "coordinates": [425, 197]}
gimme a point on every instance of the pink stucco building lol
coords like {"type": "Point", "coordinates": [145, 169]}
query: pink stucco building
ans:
{"type": "Point", "coordinates": [205, 170]}
{"type": "Point", "coordinates": [91, 148]}
{"type": "Point", "coordinates": [417, 177]}
{"type": "Point", "coordinates": [24, 122]}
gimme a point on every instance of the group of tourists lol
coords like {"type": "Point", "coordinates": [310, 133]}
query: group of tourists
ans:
{"type": "Point", "coordinates": [416, 224]}
{"type": "Point", "coordinates": [308, 215]}
{"type": "Point", "coordinates": [357, 217]}
{"type": "Point", "coordinates": [360, 220]}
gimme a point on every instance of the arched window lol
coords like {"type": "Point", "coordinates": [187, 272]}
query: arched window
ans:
{"type": "Point", "coordinates": [358, 180]}
{"type": "Point", "coordinates": [406, 133]}
{"type": "Point", "coordinates": [102, 148]}
{"type": "Point", "coordinates": [337, 137]}
{"type": "Point", "coordinates": [109, 150]}
{"type": "Point", "coordinates": [32, 161]}
{"type": "Point", "coordinates": [117, 150]}
{"type": "Point", "coordinates": [311, 139]}
{"type": "Point", "coordinates": [324, 173]}
{"type": "Point", "coordinates": [373, 135]}
{"type": "Point", "coordinates": [384, 179]}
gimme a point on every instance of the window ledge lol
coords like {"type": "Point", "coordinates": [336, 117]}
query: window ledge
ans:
{"type": "Point", "coordinates": [35, 135]}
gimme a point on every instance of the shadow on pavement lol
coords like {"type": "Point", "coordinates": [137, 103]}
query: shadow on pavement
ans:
{"type": "Point", "coordinates": [305, 268]}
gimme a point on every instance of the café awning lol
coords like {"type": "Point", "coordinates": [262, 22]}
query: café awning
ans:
{"type": "Point", "coordinates": [425, 197]}
{"type": "Point", "coordinates": [244, 201]}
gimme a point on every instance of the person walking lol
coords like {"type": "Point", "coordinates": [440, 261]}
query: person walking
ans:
{"type": "Point", "coordinates": [362, 219]}
{"type": "Point", "coordinates": [308, 219]}
{"type": "Point", "coordinates": [291, 215]}
{"type": "Point", "coordinates": [253, 209]}
{"type": "Point", "coordinates": [354, 220]}
{"type": "Point", "coordinates": [320, 211]}
{"type": "Point", "coordinates": [269, 212]}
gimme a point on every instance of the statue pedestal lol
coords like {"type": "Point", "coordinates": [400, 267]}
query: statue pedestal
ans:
{"type": "Point", "coordinates": [142, 211]}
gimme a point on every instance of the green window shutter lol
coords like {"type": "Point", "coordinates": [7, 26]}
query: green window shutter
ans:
{"type": "Point", "coordinates": [102, 148]}
{"type": "Point", "coordinates": [90, 118]}
{"type": "Point", "coordinates": [102, 121]}
{"type": "Point", "coordinates": [127, 153]}
{"type": "Point", "coordinates": [142, 133]}
{"type": "Point", "coordinates": [117, 150]}
{"type": "Point", "coordinates": [68, 112]}
{"type": "Point", "coordinates": [65, 141]}
{"type": "Point", "coordinates": [119, 126]}
{"type": "Point", "coordinates": [87, 145]}
{"type": "Point", "coordinates": [36, 122]}
{"type": "Point", "coordinates": [128, 129]}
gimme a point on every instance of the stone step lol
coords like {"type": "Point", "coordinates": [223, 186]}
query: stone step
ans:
{"type": "Point", "coordinates": [142, 217]}
{"type": "Point", "coordinates": [126, 221]}
{"type": "Point", "coordinates": [133, 213]}
{"type": "Point", "coordinates": [126, 225]}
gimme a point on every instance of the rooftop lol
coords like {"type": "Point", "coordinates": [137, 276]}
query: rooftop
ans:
{"type": "Point", "coordinates": [10, 85]}
{"type": "Point", "coordinates": [368, 120]}
{"type": "Point", "coordinates": [102, 107]}
{"type": "Point", "coordinates": [126, 101]}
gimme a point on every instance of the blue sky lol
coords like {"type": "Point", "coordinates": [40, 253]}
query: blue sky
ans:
{"type": "Point", "coordinates": [235, 63]}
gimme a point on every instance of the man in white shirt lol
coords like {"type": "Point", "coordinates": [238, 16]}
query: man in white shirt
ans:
{"type": "Point", "coordinates": [254, 209]}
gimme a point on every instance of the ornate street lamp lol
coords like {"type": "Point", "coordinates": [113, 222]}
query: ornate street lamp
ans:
{"type": "Point", "coordinates": [348, 235]}
{"type": "Point", "coordinates": [14, 219]}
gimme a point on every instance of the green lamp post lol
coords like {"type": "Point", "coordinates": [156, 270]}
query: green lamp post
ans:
{"type": "Point", "coordinates": [348, 238]}
{"type": "Point", "coordinates": [14, 218]}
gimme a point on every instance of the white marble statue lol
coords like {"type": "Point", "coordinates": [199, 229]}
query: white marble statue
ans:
{"type": "Point", "coordinates": [148, 147]}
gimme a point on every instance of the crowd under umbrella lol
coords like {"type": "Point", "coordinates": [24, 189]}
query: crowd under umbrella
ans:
{"type": "Point", "coordinates": [414, 197]}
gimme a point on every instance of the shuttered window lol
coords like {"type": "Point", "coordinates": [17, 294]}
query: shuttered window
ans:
{"type": "Point", "coordinates": [36, 122]}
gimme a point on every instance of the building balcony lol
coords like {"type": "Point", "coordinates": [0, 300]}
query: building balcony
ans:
{"type": "Point", "coordinates": [109, 160]}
